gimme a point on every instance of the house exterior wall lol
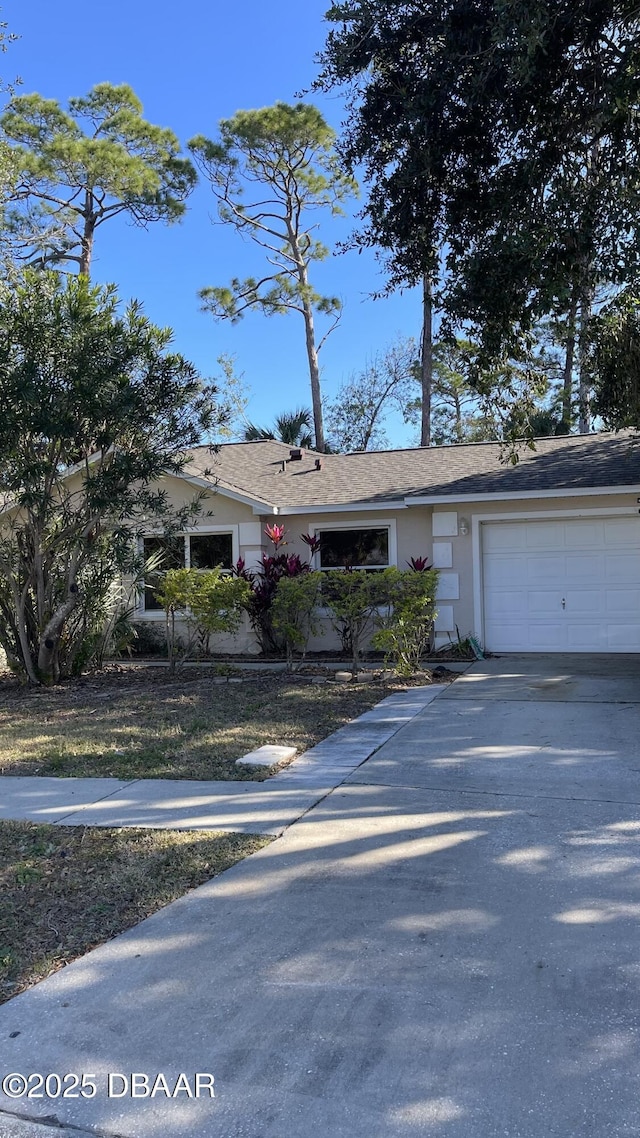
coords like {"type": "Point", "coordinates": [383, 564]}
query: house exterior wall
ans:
{"type": "Point", "coordinates": [410, 536]}
{"type": "Point", "coordinates": [449, 534]}
{"type": "Point", "coordinates": [218, 510]}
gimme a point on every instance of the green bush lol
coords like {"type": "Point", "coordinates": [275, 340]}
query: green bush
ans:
{"type": "Point", "coordinates": [404, 630]}
{"type": "Point", "coordinates": [294, 612]}
{"type": "Point", "coordinates": [353, 597]}
{"type": "Point", "coordinates": [207, 602]}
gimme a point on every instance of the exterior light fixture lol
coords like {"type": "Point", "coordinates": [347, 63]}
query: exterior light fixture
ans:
{"type": "Point", "coordinates": [464, 527]}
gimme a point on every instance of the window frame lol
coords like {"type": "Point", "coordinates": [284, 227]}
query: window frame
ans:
{"type": "Point", "coordinates": [186, 535]}
{"type": "Point", "coordinates": [370, 523]}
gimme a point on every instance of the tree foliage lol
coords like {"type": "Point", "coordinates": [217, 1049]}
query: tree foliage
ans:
{"type": "Point", "coordinates": [295, 612]}
{"type": "Point", "coordinates": [291, 427]}
{"type": "Point", "coordinates": [504, 135]}
{"type": "Point", "coordinates": [352, 597]}
{"type": "Point", "coordinates": [205, 602]}
{"type": "Point", "coordinates": [615, 336]}
{"type": "Point", "coordinates": [272, 171]}
{"type": "Point", "coordinates": [78, 168]}
{"type": "Point", "coordinates": [264, 581]}
{"type": "Point", "coordinates": [96, 408]}
{"type": "Point", "coordinates": [387, 383]}
{"type": "Point", "coordinates": [405, 626]}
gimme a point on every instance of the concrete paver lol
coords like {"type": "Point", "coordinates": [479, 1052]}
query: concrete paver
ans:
{"type": "Point", "coordinates": [52, 799]}
{"type": "Point", "coordinates": [455, 959]}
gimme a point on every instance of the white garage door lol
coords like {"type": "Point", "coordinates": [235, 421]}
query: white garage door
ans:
{"type": "Point", "coordinates": [562, 585]}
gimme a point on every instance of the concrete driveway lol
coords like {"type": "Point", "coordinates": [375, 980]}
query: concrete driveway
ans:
{"type": "Point", "coordinates": [447, 945]}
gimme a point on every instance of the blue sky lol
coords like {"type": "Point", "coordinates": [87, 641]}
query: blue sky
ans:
{"type": "Point", "coordinates": [191, 65]}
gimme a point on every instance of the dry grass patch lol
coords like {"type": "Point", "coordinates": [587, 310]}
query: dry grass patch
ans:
{"type": "Point", "coordinates": [66, 889]}
{"type": "Point", "coordinates": [144, 723]}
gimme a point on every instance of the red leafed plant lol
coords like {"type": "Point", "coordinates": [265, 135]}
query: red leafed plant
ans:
{"type": "Point", "coordinates": [419, 564]}
{"type": "Point", "coordinates": [264, 581]}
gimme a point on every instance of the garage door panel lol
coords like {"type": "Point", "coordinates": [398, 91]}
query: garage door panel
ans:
{"type": "Point", "coordinates": [583, 602]}
{"type": "Point", "coordinates": [583, 535]}
{"type": "Point", "coordinates": [582, 567]}
{"type": "Point", "coordinates": [547, 636]}
{"type": "Point", "coordinates": [506, 538]}
{"type": "Point", "coordinates": [530, 566]}
{"type": "Point", "coordinates": [542, 602]}
{"type": "Point", "coordinates": [503, 572]}
{"type": "Point", "coordinates": [541, 569]}
{"type": "Point", "coordinates": [542, 536]}
{"type": "Point", "coordinates": [587, 637]}
{"type": "Point", "coordinates": [621, 532]}
{"type": "Point", "coordinates": [622, 567]}
{"type": "Point", "coordinates": [506, 603]}
{"type": "Point", "coordinates": [623, 637]}
{"type": "Point", "coordinates": [623, 602]}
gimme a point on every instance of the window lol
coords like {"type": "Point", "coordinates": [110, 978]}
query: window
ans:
{"type": "Point", "coordinates": [195, 551]}
{"type": "Point", "coordinates": [207, 550]}
{"type": "Point", "coordinates": [170, 551]}
{"type": "Point", "coordinates": [363, 548]}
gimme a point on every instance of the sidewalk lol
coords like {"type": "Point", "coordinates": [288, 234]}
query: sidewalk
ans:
{"type": "Point", "coordinates": [240, 807]}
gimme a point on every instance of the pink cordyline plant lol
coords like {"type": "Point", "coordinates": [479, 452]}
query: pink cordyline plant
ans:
{"type": "Point", "coordinates": [275, 533]}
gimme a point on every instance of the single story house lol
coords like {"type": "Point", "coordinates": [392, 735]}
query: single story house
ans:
{"type": "Point", "coordinates": [541, 556]}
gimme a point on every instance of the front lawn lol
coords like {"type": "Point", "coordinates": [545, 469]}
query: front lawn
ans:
{"type": "Point", "coordinates": [66, 889]}
{"type": "Point", "coordinates": [145, 723]}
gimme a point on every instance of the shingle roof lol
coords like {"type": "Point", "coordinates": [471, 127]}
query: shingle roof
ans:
{"type": "Point", "coordinates": [574, 462]}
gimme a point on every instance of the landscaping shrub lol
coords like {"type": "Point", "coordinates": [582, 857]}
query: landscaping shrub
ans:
{"type": "Point", "coordinates": [206, 601]}
{"type": "Point", "coordinates": [263, 581]}
{"type": "Point", "coordinates": [352, 597]}
{"type": "Point", "coordinates": [294, 612]}
{"type": "Point", "coordinates": [405, 628]}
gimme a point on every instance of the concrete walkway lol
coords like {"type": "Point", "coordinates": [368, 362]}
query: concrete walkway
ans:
{"type": "Point", "coordinates": [238, 807]}
{"type": "Point", "coordinates": [446, 945]}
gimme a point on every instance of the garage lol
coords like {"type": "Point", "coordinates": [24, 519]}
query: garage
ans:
{"type": "Point", "coordinates": [562, 584]}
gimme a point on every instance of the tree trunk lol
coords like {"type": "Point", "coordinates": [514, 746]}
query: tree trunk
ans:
{"type": "Point", "coordinates": [426, 359]}
{"type": "Point", "coordinates": [567, 376]}
{"type": "Point", "coordinates": [23, 637]}
{"type": "Point", "coordinates": [51, 634]}
{"type": "Point", "coordinates": [584, 370]}
{"type": "Point", "coordinates": [314, 376]}
{"type": "Point", "coordinates": [88, 234]}
{"type": "Point", "coordinates": [457, 410]}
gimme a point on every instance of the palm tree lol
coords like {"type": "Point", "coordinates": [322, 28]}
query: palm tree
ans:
{"type": "Point", "coordinates": [292, 427]}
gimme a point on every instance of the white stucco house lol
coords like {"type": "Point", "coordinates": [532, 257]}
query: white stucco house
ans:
{"type": "Point", "coordinates": [543, 556]}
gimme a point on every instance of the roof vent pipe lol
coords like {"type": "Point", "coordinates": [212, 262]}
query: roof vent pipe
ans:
{"type": "Point", "coordinates": [318, 464]}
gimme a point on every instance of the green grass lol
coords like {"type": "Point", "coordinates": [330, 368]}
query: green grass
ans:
{"type": "Point", "coordinates": [144, 723]}
{"type": "Point", "coordinates": [66, 889]}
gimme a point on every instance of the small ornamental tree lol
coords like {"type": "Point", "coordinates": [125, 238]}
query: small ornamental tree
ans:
{"type": "Point", "coordinates": [205, 602]}
{"type": "Point", "coordinates": [352, 597]}
{"type": "Point", "coordinates": [405, 629]}
{"type": "Point", "coordinates": [95, 411]}
{"type": "Point", "coordinates": [294, 612]}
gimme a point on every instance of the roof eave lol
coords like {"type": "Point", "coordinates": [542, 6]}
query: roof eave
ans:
{"type": "Point", "coordinates": [341, 508]}
{"type": "Point", "coordinates": [519, 495]}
